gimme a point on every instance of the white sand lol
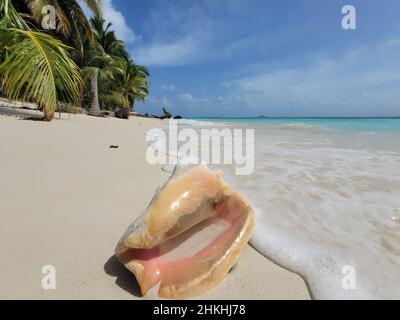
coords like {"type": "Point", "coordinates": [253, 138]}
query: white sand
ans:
{"type": "Point", "coordinates": [66, 198]}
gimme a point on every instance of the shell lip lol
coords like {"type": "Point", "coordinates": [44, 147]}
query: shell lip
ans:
{"type": "Point", "coordinates": [189, 260]}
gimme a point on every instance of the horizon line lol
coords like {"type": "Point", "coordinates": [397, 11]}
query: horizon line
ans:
{"type": "Point", "coordinates": [296, 117]}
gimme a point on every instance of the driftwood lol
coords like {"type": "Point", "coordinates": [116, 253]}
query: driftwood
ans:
{"type": "Point", "coordinates": [166, 115]}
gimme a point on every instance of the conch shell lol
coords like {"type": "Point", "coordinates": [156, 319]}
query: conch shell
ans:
{"type": "Point", "coordinates": [190, 235]}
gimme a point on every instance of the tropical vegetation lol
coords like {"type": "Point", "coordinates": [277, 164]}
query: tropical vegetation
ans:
{"type": "Point", "coordinates": [79, 63]}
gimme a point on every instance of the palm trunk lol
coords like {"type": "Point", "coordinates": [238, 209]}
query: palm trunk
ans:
{"type": "Point", "coordinates": [95, 106]}
{"type": "Point", "coordinates": [80, 98]}
{"type": "Point", "coordinates": [48, 114]}
{"type": "Point", "coordinates": [132, 104]}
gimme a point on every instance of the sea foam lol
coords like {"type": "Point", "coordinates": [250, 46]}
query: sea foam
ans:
{"type": "Point", "coordinates": [326, 201]}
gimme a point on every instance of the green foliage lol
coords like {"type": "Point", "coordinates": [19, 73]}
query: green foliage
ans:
{"type": "Point", "coordinates": [34, 65]}
{"type": "Point", "coordinates": [37, 67]}
{"type": "Point", "coordinates": [9, 17]}
{"type": "Point", "coordinates": [42, 65]}
{"type": "Point", "coordinates": [72, 24]}
{"type": "Point", "coordinates": [121, 81]}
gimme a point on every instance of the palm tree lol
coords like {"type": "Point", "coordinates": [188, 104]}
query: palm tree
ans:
{"type": "Point", "coordinates": [104, 36]}
{"type": "Point", "coordinates": [114, 78]}
{"type": "Point", "coordinates": [73, 26]}
{"type": "Point", "coordinates": [138, 71]}
{"type": "Point", "coordinates": [129, 85]}
{"type": "Point", "coordinates": [35, 65]}
{"type": "Point", "coordinates": [96, 64]}
{"type": "Point", "coordinates": [40, 66]}
{"type": "Point", "coordinates": [99, 58]}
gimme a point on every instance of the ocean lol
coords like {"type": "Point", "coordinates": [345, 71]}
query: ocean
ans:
{"type": "Point", "coordinates": [326, 194]}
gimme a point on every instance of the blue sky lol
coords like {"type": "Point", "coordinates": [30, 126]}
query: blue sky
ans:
{"type": "Point", "coordinates": [264, 57]}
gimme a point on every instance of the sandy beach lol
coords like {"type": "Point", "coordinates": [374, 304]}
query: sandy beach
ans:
{"type": "Point", "coordinates": [67, 197]}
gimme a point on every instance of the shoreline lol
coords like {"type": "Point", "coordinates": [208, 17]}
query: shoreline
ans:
{"type": "Point", "coordinates": [68, 198]}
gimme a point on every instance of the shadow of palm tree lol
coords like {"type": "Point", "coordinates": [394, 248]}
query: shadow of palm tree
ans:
{"type": "Point", "coordinates": [21, 113]}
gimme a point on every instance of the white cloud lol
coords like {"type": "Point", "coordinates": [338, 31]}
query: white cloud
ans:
{"type": "Point", "coordinates": [393, 42]}
{"type": "Point", "coordinates": [177, 53]}
{"type": "Point", "coordinates": [168, 87]}
{"type": "Point", "coordinates": [165, 101]}
{"type": "Point", "coordinates": [186, 97]}
{"type": "Point", "coordinates": [119, 24]}
{"type": "Point", "coordinates": [363, 81]}
{"type": "Point", "coordinates": [181, 34]}
{"type": "Point", "coordinates": [121, 28]}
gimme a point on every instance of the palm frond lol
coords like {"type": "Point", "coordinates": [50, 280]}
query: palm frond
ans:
{"type": "Point", "coordinates": [38, 67]}
{"type": "Point", "coordinates": [10, 17]}
{"type": "Point", "coordinates": [63, 24]}
{"type": "Point", "coordinates": [115, 97]}
{"type": "Point", "coordinates": [96, 6]}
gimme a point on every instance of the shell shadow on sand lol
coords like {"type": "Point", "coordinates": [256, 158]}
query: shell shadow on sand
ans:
{"type": "Point", "coordinates": [124, 279]}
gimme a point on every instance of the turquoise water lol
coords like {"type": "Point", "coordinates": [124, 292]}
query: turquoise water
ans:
{"type": "Point", "coordinates": [388, 125]}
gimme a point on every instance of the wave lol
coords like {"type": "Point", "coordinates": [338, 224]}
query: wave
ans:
{"type": "Point", "coordinates": [197, 123]}
{"type": "Point", "coordinates": [297, 126]}
{"type": "Point", "coordinates": [319, 205]}
{"type": "Point", "coordinates": [325, 210]}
